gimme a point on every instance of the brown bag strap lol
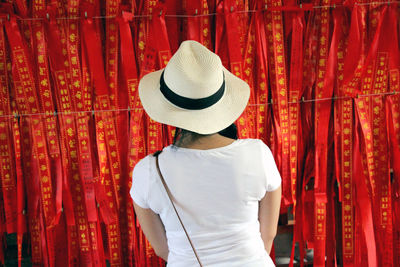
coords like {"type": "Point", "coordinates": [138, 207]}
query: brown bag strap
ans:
{"type": "Point", "coordinates": [173, 205]}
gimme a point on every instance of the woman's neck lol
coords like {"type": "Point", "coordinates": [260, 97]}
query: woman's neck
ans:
{"type": "Point", "coordinates": [208, 142]}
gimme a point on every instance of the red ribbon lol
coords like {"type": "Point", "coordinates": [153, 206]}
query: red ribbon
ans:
{"type": "Point", "coordinates": [7, 171]}
{"type": "Point", "coordinates": [347, 183]}
{"type": "Point", "coordinates": [157, 51]}
{"type": "Point", "coordinates": [109, 155]}
{"type": "Point", "coordinates": [198, 28]}
{"type": "Point", "coordinates": [233, 39]}
{"type": "Point", "coordinates": [59, 71]}
{"type": "Point", "coordinates": [129, 70]}
{"type": "Point", "coordinates": [363, 202]}
{"type": "Point", "coordinates": [393, 113]}
{"type": "Point", "coordinates": [46, 99]}
{"type": "Point", "coordinates": [321, 126]}
{"type": "Point", "coordinates": [261, 95]}
{"type": "Point", "coordinates": [280, 97]}
{"type": "Point", "coordinates": [296, 75]}
{"type": "Point", "coordinates": [252, 114]}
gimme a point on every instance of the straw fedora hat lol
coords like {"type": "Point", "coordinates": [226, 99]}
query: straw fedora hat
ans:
{"type": "Point", "coordinates": [194, 91]}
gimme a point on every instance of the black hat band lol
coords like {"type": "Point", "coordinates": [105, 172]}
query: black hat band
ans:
{"type": "Point", "coordinates": [190, 103]}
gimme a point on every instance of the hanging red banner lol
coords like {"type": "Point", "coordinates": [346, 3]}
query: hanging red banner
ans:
{"type": "Point", "coordinates": [109, 156]}
{"type": "Point", "coordinates": [261, 95]}
{"type": "Point", "coordinates": [323, 89]}
{"type": "Point", "coordinates": [198, 28]}
{"type": "Point", "coordinates": [279, 95]}
{"type": "Point", "coordinates": [235, 42]}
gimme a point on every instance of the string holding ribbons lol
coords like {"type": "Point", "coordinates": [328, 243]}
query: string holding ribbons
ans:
{"type": "Point", "coordinates": [93, 112]}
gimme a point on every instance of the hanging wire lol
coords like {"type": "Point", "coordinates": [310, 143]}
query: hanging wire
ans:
{"type": "Point", "coordinates": [301, 101]}
{"type": "Point", "coordinates": [191, 16]}
{"type": "Point", "coordinates": [55, 113]}
{"type": "Point", "coordinates": [275, 8]}
{"type": "Point", "coordinates": [377, 3]}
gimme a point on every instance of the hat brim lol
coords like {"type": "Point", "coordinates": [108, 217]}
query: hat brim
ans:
{"type": "Point", "coordinates": [205, 121]}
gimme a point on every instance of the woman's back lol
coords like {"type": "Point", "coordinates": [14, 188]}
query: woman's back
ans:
{"type": "Point", "coordinates": [217, 193]}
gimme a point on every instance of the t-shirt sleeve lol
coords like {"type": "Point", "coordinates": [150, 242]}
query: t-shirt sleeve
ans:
{"type": "Point", "coordinates": [140, 183]}
{"type": "Point", "coordinates": [272, 175]}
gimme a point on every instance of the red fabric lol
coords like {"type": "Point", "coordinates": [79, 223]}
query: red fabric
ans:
{"type": "Point", "coordinates": [70, 172]}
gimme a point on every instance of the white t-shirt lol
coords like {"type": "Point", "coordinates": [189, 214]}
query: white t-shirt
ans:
{"type": "Point", "coordinates": [217, 193]}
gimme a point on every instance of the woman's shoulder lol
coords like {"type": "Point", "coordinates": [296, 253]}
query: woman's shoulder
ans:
{"type": "Point", "coordinates": [142, 165]}
{"type": "Point", "coordinates": [257, 147]}
{"type": "Point", "coordinates": [147, 162]}
{"type": "Point", "coordinates": [253, 142]}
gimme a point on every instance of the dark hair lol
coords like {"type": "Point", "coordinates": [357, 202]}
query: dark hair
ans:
{"type": "Point", "coordinates": [230, 132]}
{"type": "Point", "coordinates": [184, 137]}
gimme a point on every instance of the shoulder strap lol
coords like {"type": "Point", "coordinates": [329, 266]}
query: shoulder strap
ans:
{"type": "Point", "coordinates": [173, 205]}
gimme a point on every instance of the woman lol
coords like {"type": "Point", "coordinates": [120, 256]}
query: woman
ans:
{"type": "Point", "coordinates": [226, 190]}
